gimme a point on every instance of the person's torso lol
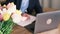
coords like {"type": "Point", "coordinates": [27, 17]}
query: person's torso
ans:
{"type": "Point", "coordinates": [30, 6]}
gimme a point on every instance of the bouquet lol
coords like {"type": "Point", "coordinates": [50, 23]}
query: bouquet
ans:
{"type": "Point", "coordinates": [9, 15]}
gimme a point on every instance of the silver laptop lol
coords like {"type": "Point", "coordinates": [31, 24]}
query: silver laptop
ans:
{"type": "Point", "coordinates": [47, 21]}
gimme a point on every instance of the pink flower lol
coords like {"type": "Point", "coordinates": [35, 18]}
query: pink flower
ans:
{"type": "Point", "coordinates": [1, 6]}
{"type": "Point", "coordinates": [1, 18]}
{"type": "Point", "coordinates": [8, 5]}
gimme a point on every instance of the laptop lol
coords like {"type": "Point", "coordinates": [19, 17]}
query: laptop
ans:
{"type": "Point", "coordinates": [47, 21]}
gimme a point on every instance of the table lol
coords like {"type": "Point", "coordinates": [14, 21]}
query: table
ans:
{"type": "Point", "coordinates": [20, 30]}
{"type": "Point", "coordinates": [49, 9]}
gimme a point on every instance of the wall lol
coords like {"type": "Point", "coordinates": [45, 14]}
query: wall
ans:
{"type": "Point", "coordinates": [50, 3]}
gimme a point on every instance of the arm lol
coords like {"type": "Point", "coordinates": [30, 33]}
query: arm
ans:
{"type": "Point", "coordinates": [38, 8]}
{"type": "Point", "coordinates": [24, 5]}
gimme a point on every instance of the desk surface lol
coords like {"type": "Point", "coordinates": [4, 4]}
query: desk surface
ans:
{"type": "Point", "coordinates": [49, 9]}
{"type": "Point", "coordinates": [20, 30]}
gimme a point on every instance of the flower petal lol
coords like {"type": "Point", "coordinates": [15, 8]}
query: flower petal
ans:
{"type": "Point", "coordinates": [6, 16]}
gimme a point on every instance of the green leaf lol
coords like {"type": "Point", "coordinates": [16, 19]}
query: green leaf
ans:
{"type": "Point", "coordinates": [1, 32]}
{"type": "Point", "coordinates": [7, 26]}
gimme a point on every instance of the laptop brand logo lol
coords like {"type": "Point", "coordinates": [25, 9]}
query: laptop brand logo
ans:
{"type": "Point", "coordinates": [49, 21]}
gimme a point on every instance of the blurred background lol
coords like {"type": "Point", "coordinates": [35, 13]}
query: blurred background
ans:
{"type": "Point", "coordinates": [47, 3]}
{"type": "Point", "coordinates": [50, 4]}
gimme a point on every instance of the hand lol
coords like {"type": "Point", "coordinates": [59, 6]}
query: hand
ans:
{"type": "Point", "coordinates": [26, 15]}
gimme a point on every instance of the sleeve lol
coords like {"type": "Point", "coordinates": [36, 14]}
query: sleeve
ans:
{"type": "Point", "coordinates": [38, 7]}
{"type": "Point", "coordinates": [24, 6]}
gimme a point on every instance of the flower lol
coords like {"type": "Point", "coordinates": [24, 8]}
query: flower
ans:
{"type": "Point", "coordinates": [6, 16]}
{"type": "Point", "coordinates": [1, 18]}
{"type": "Point", "coordinates": [17, 16]}
{"type": "Point", "coordinates": [10, 5]}
{"type": "Point", "coordinates": [4, 6]}
{"type": "Point", "coordinates": [11, 8]}
{"type": "Point", "coordinates": [19, 12]}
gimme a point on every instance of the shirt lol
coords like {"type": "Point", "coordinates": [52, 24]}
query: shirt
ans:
{"type": "Point", "coordinates": [24, 5]}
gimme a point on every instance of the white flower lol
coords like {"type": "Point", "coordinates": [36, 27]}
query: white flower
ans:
{"type": "Point", "coordinates": [1, 11]}
{"type": "Point", "coordinates": [12, 9]}
{"type": "Point", "coordinates": [16, 18]}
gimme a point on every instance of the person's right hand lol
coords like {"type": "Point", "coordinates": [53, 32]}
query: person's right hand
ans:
{"type": "Point", "coordinates": [26, 15]}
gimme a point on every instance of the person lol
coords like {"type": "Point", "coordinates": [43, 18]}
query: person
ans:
{"type": "Point", "coordinates": [27, 7]}
{"type": "Point", "coordinates": [31, 5]}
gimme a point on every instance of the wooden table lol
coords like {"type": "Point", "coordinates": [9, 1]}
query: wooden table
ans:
{"type": "Point", "coordinates": [49, 9]}
{"type": "Point", "coordinates": [20, 30]}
